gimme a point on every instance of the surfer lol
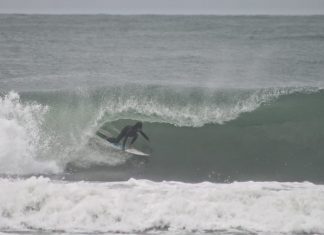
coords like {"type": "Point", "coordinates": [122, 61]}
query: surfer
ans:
{"type": "Point", "coordinates": [129, 131]}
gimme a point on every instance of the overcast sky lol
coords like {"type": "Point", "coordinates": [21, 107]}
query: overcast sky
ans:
{"type": "Point", "coordinates": [163, 6]}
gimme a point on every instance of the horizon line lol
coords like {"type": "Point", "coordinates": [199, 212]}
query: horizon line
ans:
{"type": "Point", "coordinates": [159, 14]}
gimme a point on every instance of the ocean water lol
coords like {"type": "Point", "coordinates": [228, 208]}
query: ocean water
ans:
{"type": "Point", "coordinates": [233, 106]}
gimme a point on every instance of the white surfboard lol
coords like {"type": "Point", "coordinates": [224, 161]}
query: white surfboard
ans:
{"type": "Point", "coordinates": [136, 152]}
{"type": "Point", "coordinates": [133, 151]}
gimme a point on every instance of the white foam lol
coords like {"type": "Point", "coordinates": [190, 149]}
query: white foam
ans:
{"type": "Point", "coordinates": [140, 205]}
{"type": "Point", "coordinates": [20, 138]}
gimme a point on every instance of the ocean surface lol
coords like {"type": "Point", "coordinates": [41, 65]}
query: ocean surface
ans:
{"type": "Point", "coordinates": [233, 107]}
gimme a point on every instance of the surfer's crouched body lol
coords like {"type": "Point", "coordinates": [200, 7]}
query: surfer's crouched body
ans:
{"type": "Point", "coordinates": [129, 131]}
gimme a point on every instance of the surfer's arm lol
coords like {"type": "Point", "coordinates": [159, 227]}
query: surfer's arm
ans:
{"type": "Point", "coordinates": [145, 136]}
{"type": "Point", "coordinates": [133, 140]}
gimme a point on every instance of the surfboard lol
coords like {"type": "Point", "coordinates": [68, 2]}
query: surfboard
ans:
{"type": "Point", "coordinates": [135, 151]}
{"type": "Point", "coordinates": [105, 134]}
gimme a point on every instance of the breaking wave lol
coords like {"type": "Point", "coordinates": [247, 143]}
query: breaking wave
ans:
{"type": "Point", "coordinates": [43, 132]}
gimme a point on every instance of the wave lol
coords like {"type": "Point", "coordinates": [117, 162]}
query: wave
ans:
{"type": "Point", "coordinates": [137, 206]}
{"type": "Point", "coordinates": [51, 129]}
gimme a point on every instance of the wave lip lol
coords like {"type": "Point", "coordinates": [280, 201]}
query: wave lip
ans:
{"type": "Point", "coordinates": [141, 206]}
{"type": "Point", "coordinates": [190, 107]}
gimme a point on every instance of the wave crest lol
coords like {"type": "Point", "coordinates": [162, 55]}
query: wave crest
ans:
{"type": "Point", "coordinates": [189, 107]}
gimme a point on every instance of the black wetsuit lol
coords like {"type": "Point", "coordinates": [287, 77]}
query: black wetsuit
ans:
{"type": "Point", "coordinates": [127, 131]}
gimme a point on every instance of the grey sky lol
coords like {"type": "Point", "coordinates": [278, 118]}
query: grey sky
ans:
{"type": "Point", "coordinates": [163, 6]}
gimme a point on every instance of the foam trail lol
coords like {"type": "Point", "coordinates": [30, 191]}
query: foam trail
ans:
{"type": "Point", "coordinates": [141, 205]}
{"type": "Point", "coordinates": [20, 137]}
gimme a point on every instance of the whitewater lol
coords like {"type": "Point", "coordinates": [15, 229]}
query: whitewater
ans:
{"type": "Point", "coordinates": [233, 106]}
{"type": "Point", "coordinates": [138, 206]}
